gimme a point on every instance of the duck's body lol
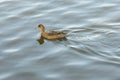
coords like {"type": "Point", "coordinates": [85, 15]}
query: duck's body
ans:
{"type": "Point", "coordinates": [52, 35]}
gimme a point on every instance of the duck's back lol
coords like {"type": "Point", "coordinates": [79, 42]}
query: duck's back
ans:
{"type": "Point", "coordinates": [54, 35]}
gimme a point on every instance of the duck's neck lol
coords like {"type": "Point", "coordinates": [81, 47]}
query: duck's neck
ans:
{"type": "Point", "coordinates": [43, 32]}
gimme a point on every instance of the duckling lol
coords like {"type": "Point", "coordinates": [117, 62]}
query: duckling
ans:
{"type": "Point", "coordinates": [52, 35]}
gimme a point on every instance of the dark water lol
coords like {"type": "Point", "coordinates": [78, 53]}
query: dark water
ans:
{"type": "Point", "coordinates": [91, 51]}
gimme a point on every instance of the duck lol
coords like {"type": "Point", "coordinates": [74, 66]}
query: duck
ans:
{"type": "Point", "coordinates": [51, 36]}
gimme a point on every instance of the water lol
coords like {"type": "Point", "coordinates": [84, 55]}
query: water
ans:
{"type": "Point", "coordinates": [91, 51]}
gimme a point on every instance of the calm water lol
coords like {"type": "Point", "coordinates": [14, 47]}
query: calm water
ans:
{"type": "Point", "coordinates": [91, 51]}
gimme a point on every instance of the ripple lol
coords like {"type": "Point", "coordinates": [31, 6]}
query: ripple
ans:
{"type": "Point", "coordinates": [107, 5]}
{"type": "Point", "coordinates": [52, 76]}
{"type": "Point", "coordinates": [5, 75]}
{"type": "Point", "coordinates": [10, 50]}
{"type": "Point", "coordinates": [78, 63]}
{"type": "Point", "coordinates": [87, 38]}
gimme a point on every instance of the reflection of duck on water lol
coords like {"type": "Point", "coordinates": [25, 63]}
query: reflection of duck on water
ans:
{"type": "Point", "coordinates": [41, 40]}
{"type": "Point", "coordinates": [50, 36]}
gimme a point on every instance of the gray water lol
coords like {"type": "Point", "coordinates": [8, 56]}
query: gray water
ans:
{"type": "Point", "coordinates": [91, 51]}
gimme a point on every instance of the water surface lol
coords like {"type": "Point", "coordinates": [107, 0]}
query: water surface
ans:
{"type": "Point", "coordinates": [91, 51]}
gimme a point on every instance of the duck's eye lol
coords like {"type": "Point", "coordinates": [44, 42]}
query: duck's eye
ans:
{"type": "Point", "coordinates": [39, 26]}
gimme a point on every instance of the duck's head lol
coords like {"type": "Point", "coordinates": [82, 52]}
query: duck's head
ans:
{"type": "Point", "coordinates": [41, 27]}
